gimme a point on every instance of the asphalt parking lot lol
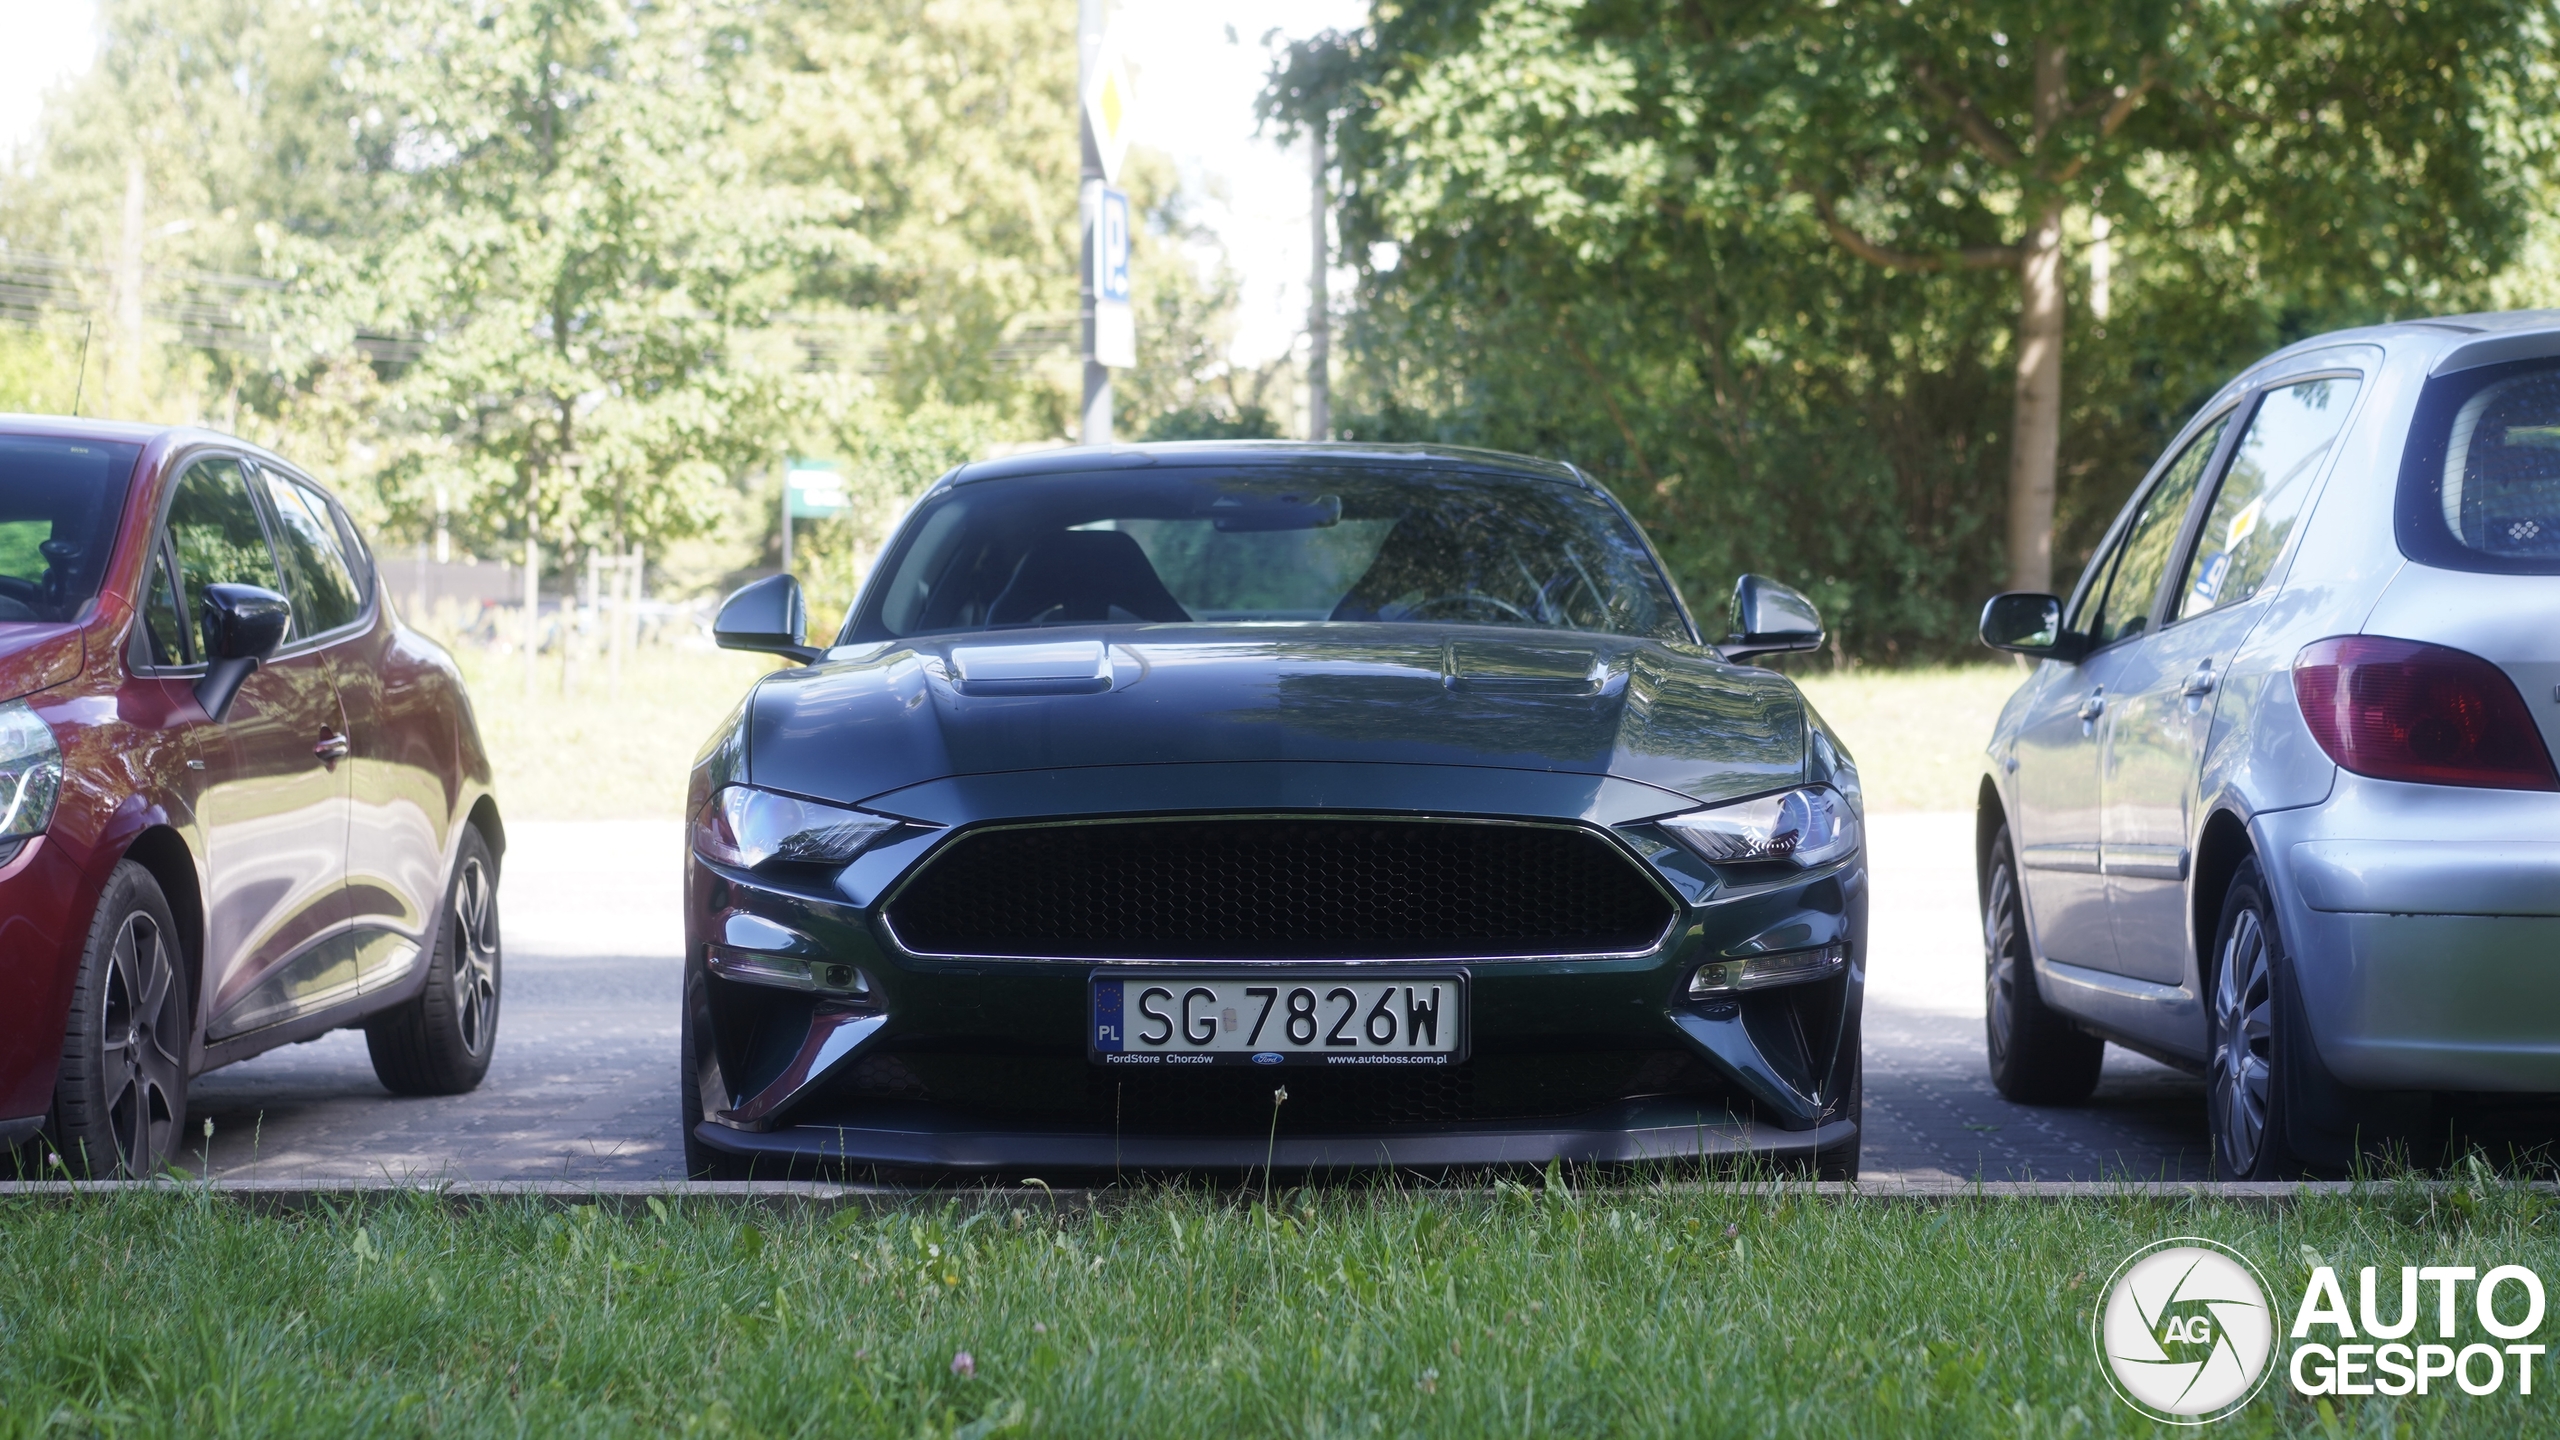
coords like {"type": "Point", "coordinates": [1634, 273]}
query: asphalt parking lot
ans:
{"type": "Point", "coordinates": [583, 1087]}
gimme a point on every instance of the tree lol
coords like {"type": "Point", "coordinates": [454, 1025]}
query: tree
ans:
{"type": "Point", "coordinates": [1960, 135]}
{"type": "Point", "coordinates": [1601, 230]}
{"type": "Point", "coordinates": [564, 214]}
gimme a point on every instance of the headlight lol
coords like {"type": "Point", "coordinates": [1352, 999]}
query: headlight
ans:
{"type": "Point", "coordinates": [1807, 827]}
{"type": "Point", "coordinates": [30, 776]}
{"type": "Point", "coordinates": [745, 827]}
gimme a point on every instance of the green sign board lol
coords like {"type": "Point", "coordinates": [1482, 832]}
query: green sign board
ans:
{"type": "Point", "coordinates": [813, 490]}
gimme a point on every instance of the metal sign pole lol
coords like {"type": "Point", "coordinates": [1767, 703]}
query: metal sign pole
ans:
{"type": "Point", "coordinates": [1097, 376]}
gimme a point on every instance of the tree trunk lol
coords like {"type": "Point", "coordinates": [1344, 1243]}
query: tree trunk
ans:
{"type": "Point", "coordinates": [2035, 429]}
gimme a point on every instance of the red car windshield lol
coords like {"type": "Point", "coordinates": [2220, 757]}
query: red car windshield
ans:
{"type": "Point", "coordinates": [59, 501]}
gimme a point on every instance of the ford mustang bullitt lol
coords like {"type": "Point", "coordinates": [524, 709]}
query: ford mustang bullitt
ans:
{"type": "Point", "coordinates": [1206, 806]}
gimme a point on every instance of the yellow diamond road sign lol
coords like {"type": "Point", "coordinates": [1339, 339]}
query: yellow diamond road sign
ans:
{"type": "Point", "coordinates": [1108, 103]}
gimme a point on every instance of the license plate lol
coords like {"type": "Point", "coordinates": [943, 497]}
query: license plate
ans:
{"type": "Point", "coordinates": [1300, 1018]}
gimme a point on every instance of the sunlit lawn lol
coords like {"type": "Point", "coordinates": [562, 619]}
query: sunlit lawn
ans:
{"type": "Point", "coordinates": [1917, 735]}
{"type": "Point", "coordinates": [1633, 1310]}
{"type": "Point", "coordinates": [577, 751]}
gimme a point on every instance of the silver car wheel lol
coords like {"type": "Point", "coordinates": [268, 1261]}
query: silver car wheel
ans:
{"type": "Point", "coordinates": [1999, 962]}
{"type": "Point", "coordinates": [2243, 1042]}
{"type": "Point", "coordinates": [475, 957]}
{"type": "Point", "coordinates": [142, 1034]}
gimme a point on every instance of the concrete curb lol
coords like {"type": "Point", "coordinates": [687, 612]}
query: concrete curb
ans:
{"type": "Point", "coordinates": [293, 1196]}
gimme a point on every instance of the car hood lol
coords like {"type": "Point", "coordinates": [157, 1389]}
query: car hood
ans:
{"type": "Point", "coordinates": [879, 718]}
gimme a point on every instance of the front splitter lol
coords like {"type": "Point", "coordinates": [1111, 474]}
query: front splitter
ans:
{"type": "Point", "coordinates": [1610, 1137]}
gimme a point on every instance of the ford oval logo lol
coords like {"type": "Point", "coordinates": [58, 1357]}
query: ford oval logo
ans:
{"type": "Point", "coordinates": [1268, 1057]}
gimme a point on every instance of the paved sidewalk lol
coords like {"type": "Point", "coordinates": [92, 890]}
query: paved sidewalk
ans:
{"type": "Point", "coordinates": [583, 1088]}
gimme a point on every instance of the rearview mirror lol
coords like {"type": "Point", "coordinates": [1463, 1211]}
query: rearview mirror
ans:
{"type": "Point", "coordinates": [767, 616]}
{"type": "Point", "coordinates": [242, 625]}
{"type": "Point", "coordinates": [2026, 623]}
{"type": "Point", "coordinates": [1768, 618]}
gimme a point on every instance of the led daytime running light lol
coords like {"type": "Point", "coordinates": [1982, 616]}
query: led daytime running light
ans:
{"type": "Point", "coordinates": [1758, 972]}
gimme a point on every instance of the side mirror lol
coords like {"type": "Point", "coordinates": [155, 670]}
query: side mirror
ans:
{"type": "Point", "coordinates": [2025, 623]}
{"type": "Point", "coordinates": [1768, 618]}
{"type": "Point", "coordinates": [242, 625]}
{"type": "Point", "coordinates": [768, 616]}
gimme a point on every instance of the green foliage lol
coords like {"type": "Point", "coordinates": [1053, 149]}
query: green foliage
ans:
{"type": "Point", "coordinates": [1248, 422]}
{"type": "Point", "coordinates": [1590, 228]}
{"type": "Point", "coordinates": [591, 266]}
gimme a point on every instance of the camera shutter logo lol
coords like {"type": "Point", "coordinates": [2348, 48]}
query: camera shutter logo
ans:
{"type": "Point", "coordinates": [2186, 1331]}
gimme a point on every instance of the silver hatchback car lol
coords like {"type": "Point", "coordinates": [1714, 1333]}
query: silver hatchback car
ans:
{"type": "Point", "coordinates": [2279, 804]}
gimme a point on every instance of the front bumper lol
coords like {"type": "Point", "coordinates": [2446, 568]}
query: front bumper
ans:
{"type": "Point", "coordinates": [981, 1064]}
{"type": "Point", "coordinates": [45, 901]}
{"type": "Point", "coordinates": [2428, 955]}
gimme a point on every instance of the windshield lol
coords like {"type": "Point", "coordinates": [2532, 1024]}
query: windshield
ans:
{"type": "Point", "coordinates": [1228, 544]}
{"type": "Point", "coordinates": [59, 500]}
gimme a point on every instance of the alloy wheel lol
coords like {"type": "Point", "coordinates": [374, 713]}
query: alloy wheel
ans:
{"type": "Point", "coordinates": [143, 1029]}
{"type": "Point", "coordinates": [2243, 1041]}
{"type": "Point", "coordinates": [2000, 965]}
{"type": "Point", "coordinates": [475, 957]}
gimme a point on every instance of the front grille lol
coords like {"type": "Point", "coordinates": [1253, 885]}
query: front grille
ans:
{"type": "Point", "coordinates": [1280, 889]}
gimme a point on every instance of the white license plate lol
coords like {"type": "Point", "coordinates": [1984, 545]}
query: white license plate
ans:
{"type": "Point", "coordinates": [1300, 1018]}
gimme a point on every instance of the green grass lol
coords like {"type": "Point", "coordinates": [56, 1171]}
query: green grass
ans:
{"type": "Point", "coordinates": [1639, 1310]}
{"type": "Point", "coordinates": [582, 753]}
{"type": "Point", "coordinates": [1917, 735]}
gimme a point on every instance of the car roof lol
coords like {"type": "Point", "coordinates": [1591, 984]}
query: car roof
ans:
{"type": "Point", "coordinates": [2438, 343]}
{"type": "Point", "coordinates": [1265, 454]}
{"type": "Point", "coordinates": [167, 437]}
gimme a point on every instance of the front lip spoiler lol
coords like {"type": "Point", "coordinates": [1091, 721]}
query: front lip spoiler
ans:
{"type": "Point", "coordinates": [1618, 1134]}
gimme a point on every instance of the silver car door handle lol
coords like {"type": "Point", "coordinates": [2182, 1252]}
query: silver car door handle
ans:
{"type": "Point", "coordinates": [2093, 707]}
{"type": "Point", "coordinates": [2200, 683]}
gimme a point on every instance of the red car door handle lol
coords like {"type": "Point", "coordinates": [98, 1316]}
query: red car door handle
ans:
{"type": "Point", "coordinates": [331, 749]}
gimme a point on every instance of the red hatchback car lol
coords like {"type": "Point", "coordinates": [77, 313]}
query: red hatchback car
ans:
{"type": "Point", "coordinates": [240, 803]}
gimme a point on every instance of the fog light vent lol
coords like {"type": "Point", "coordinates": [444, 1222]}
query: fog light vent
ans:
{"type": "Point", "coordinates": [1755, 972]}
{"type": "Point", "coordinates": [824, 977]}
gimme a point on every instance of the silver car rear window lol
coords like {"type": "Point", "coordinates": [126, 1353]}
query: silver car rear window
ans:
{"type": "Point", "coordinates": [2480, 483]}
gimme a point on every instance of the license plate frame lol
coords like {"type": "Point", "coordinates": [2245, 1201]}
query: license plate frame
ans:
{"type": "Point", "coordinates": [1181, 1016]}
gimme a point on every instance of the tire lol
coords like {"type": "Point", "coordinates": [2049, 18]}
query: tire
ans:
{"type": "Point", "coordinates": [701, 1162]}
{"type": "Point", "coordinates": [120, 1101]}
{"type": "Point", "coordinates": [2258, 1041]}
{"type": "Point", "coordinates": [438, 1042]}
{"type": "Point", "coordinates": [2038, 1057]}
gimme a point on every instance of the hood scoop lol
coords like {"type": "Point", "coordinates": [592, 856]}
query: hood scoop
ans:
{"type": "Point", "coordinates": [1503, 667]}
{"type": "Point", "coordinates": [1046, 667]}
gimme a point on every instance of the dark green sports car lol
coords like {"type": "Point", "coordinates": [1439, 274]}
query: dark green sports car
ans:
{"type": "Point", "coordinates": [1145, 786]}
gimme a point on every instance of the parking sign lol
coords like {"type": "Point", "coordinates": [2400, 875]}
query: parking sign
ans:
{"type": "Point", "coordinates": [1115, 328]}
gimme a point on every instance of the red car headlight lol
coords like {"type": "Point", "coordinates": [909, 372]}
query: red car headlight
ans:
{"type": "Point", "coordinates": [30, 776]}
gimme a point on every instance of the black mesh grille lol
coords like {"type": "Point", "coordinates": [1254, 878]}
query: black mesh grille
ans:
{"type": "Point", "coordinates": [1280, 889]}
